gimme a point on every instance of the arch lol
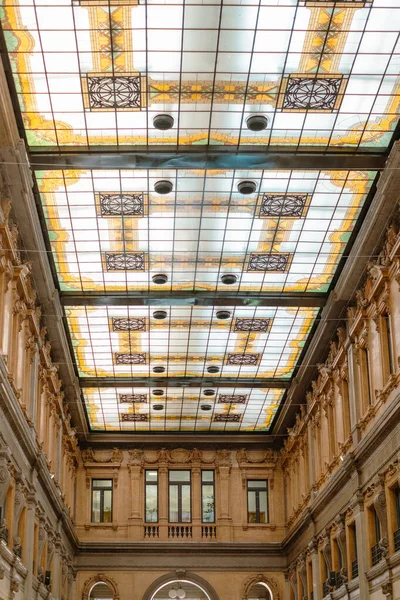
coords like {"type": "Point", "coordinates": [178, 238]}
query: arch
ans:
{"type": "Point", "coordinates": [175, 576]}
{"type": "Point", "coordinates": [268, 582]}
{"type": "Point", "coordinates": [99, 578]}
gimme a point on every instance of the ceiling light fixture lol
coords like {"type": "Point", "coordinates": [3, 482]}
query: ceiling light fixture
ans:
{"type": "Point", "coordinates": [158, 392]}
{"type": "Point", "coordinates": [158, 406]}
{"type": "Point", "coordinates": [163, 186]}
{"type": "Point", "coordinates": [205, 407]}
{"type": "Point", "coordinates": [229, 279]}
{"type": "Point", "coordinates": [163, 122]}
{"type": "Point", "coordinates": [212, 369]}
{"type": "Point", "coordinates": [159, 279]}
{"type": "Point", "coordinates": [209, 392]}
{"type": "Point", "coordinates": [158, 369]}
{"type": "Point", "coordinates": [247, 187]}
{"type": "Point", "coordinates": [160, 314]}
{"type": "Point", "coordinates": [257, 122]}
{"type": "Point", "coordinates": [222, 314]}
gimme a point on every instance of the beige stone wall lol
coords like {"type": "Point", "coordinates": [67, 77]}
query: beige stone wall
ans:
{"type": "Point", "coordinates": [232, 470]}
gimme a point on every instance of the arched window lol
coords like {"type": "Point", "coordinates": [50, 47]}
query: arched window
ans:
{"type": "Point", "coordinates": [261, 587]}
{"type": "Point", "coordinates": [101, 591]}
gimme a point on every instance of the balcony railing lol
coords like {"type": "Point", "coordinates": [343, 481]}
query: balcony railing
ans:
{"type": "Point", "coordinates": [209, 532]}
{"type": "Point", "coordinates": [325, 589]}
{"type": "Point", "coordinates": [183, 532]}
{"type": "Point", "coordinates": [151, 532]}
{"type": "Point", "coordinates": [396, 540]}
{"type": "Point", "coordinates": [376, 554]}
{"type": "Point", "coordinates": [354, 569]}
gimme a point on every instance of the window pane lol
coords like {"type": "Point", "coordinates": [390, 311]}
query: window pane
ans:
{"type": "Point", "coordinates": [107, 514]}
{"type": "Point", "coordinates": [257, 483]}
{"type": "Point", "coordinates": [95, 506]}
{"type": "Point", "coordinates": [173, 504]}
{"type": "Point", "coordinates": [151, 504]}
{"type": "Point", "coordinates": [208, 504]}
{"type": "Point", "coordinates": [263, 507]}
{"type": "Point", "coordinates": [179, 475]}
{"type": "Point", "coordinates": [207, 475]}
{"type": "Point", "coordinates": [151, 476]}
{"type": "Point", "coordinates": [102, 483]}
{"type": "Point", "coordinates": [251, 499]}
{"type": "Point", "coordinates": [186, 516]}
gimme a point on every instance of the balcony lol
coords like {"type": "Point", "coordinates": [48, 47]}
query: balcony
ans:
{"type": "Point", "coordinates": [376, 554]}
{"type": "Point", "coordinates": [325, 589]}
{"type": "Point", "coordinates": [151, 532]}
{"type": "Point", "coordinates": [208, 532]}
{"type": "Point", "coordinates": [179, 532]}
{"type": "Point", "coordinates": [396, 536]}
{"type": "Point", "coordinates": [354, 569]}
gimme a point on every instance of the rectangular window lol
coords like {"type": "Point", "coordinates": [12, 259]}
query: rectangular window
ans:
{"type": "Point", "coordinates": [102, 500]}
{"type": "Point", "coordinates": [257, 501]}
{"type": "Point", "coordinates": [180, 500]}
{"type": "Point", "coordinates": [151, 497]}
{"type": "Point", "coordinates": [389, 343]}
{"type": "Point", "coordinates": [368, 376]}
{"type": "Point", "coordinates": [397, 505]}
{"type": "Point", "coordinates": [207, 497]}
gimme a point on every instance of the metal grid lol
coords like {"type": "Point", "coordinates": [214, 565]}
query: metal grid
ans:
{"type": "Point", "coordinates": [187, 342]}
{"type": "Point", "coordinates": [182, 410]}
{"type": "Point", "coordinates": [210, 66]}
{"type": "Point", "coordinates": [200, 231]}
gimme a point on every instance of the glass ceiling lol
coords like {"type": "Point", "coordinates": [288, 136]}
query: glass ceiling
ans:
{"type": "Point", "coordinates": [94, 73]}
{"type": "Point", "coordinates": [109, 231]}
{"type": "Point", "coordinates": [129, 342]}
{"type": "Point", "coordinates": [184, 409]}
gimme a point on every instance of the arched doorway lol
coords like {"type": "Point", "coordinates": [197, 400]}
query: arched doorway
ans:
{"type": "Point", "coordinates": [180, 586]}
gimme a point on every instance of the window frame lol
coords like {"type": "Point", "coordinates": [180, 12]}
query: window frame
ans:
{"type": "Point", "coordinates": [179, 484]}
{"type": "Point", "coordinates": [102, 490]}
{"type": "Point", "coordinates": [257, 489]}
{"type": "Point", "coordinates": [156, 484]}
{"type": "Point", "coordinates": [201, 499]}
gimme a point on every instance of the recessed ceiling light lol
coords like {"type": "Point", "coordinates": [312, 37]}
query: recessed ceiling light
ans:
{"type": "Point", "coordinates": [229, 279]}
{"type": "Point", "coordinates": [257, 122]}
{"type": "Point", "coordinates": [158, 392]}
{"type": "Point", "coordinates": [163, 186]}
{"type": "Point", "coordinates": [163, 122]}
{"type": "Point", "coordinates": [222, 314]}
{"type": "Point", "coordinates": [205, 406]}
{"type": "Point", "coordinates": [247, 187]}
{"type": "Point", "coordinates": [212, 369]}
{"type": "Point", "coordinates": [209, 392]}
{"type": "Point", "coordinates": [158, 369]}
{"type": "Point", "coordinates": [158, 406]}
{"type": "Point", "coordinates": [160, 314]}
{"type": "Point", "coordinates": [159, 279]}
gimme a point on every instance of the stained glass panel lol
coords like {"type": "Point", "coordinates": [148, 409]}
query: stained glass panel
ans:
{"type": "Point", "coordinates": [95, 73]}
{"type": "Point", "coordinates": [188, 341]}
{"type": "Point", "coordinates": [202, 230]}
{"type": "Point", "coordinates": [183, 410]}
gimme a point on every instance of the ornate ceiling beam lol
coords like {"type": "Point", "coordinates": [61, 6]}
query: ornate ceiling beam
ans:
{"type": "Point", "coordinates": [231, 382]}
{"type": "Point", "coordinates": [201, 157]}
{"type": "Point", "coordinates": [155, 299]}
